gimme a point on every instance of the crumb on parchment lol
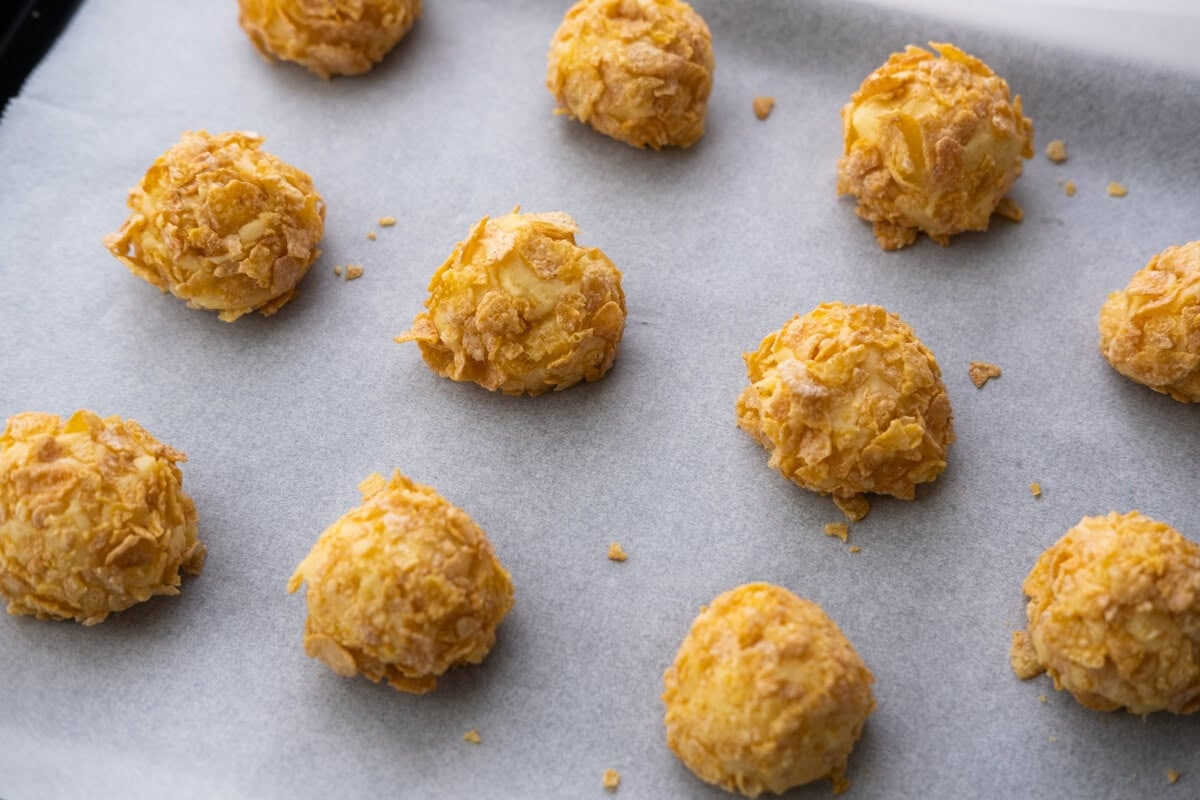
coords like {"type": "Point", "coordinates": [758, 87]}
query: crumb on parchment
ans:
{"type": "Point", "coordinates": [838, 529]}
{"type": "Point", "coordinates": [472, 736]}
{"type": "Point", "coordinates": [1023, 657]}
{"type": "Point", "coordinates": [763, 106]}
{"type": "Point", "coordinates": [981, 372]}
{"type": "Point", "coordinates": [855, 548]}
{"type": "Point", "coordinates": [1172, 776]}
{"type": "Point", "coordinates": [1056, 151]}
{"type": "Point", "coordinates": [1117, 190]}
{"type": "Point", "coordinates": [616, 552]}
{"type": "Point", "coordinates": [338, 270]}
{"type": "Point", "coordinates": [611, 779]}
{"type": "Point", "coordinates": [1069, 188]}
{"type": "Point", "coordinates": [387, 222]}
{"type": "Point", "coordinates": [353, 271]}
{"type": "Point", "coordinates": [1035, 489]}
{"type": "Point", "coordinates": [371, 235]}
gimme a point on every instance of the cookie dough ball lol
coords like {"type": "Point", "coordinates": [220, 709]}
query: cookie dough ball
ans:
{"type": "Point", "coordinates": [1150, 332]}
{"type": "Point", "coordinates": [521, 308]}
{"type": "Point", "coordinates": [932, 144]}
{"type": "Point", "coordinates": [847, 400]}
{"type": "Point", "coordinates": [219, 223]}
{"type": "Point", "coordinates": [402, 588]}
{"type": "Point", "coordinates": [93, 518]}
{"type": "Point", "coordinates": [639, 71]}
{"type": "Point", "coordinates": [1114, 615]}
{"type": "Point", "coordinates": [328, 37]}
{"type": "Point", "coordinates": [766, 693]}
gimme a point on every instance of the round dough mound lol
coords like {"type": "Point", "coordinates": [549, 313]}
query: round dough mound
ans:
{"type": "Point", "coordinates": [328, 37]}
{"type": "Point", "coordinates": [404, 587]}
{"type": "Point", "coordinates": [521, 308]}
{"type": "Point", "coordinates": [766, 693]}
{"type": "Point", "coordinates": [1150, 332]}
{"type": "Point", "coordinates": [639, 71]}
{"type": "Point", "coordinates": [848, 400]}
{"type": "Point", "coordinates": [222, 225]}
{"type": "Point", "coordinates": [932, 144]}
{"type": "Point", "coordinates": [1114, 614]}
{"type": "Point", "coordinates": [93, 518]}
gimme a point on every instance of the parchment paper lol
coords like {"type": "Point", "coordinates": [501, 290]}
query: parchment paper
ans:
{"type": "Point", "coordinates": [209, 694]}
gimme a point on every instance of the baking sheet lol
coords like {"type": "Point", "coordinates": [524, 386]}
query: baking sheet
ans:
{"type": "Point", "coordinates": [209, 694]}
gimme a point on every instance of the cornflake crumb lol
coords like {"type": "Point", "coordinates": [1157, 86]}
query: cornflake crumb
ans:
{"type": "Point", "coordinates": [472, 736]}
{"type": "Point", "coordinates": [1023, 657]}
{"type": "Point", "coordinates": [387, 222]}
{"type": "Point", "coordinates": [1117, 190]}
{"type": "Point", "coordinates": [1054, 738]}
{"type": "Point", "coordinates": [1056, 151]}
{"type": "Point", "coordinates": [337, 271]}
{"type": "Point", "coordinates": [611, 779]}
{"type": "Point", "coordinates": [840, 782]}
{"type": "Point", "coordinates": [353, 271]}
{"type": "Point", "coordinates": [839, 529]}
{"type": "Point", "coordinates": [371, 235]}
{"type": "Point", "coordinates": [1172, 776]}
{"type": "Point", "coordinates": [855, 548]}
{"type": "Point", "coordinates": [763, 106]}
{"type": "Point", "coordinates": [1008, 209]}
{"type": "Point", "coordinates": [1041, 698]}
{"type": "Point", "coordinates": [855, 508]}
{"type": "Point", "coordinates": [1035, 489]}
{"type": "Point", "coordinates": [616, 552]}
{"type": "Point", "coordinates": [1069, 188]}
{"type": "Point", "coordinates": [981, 372]}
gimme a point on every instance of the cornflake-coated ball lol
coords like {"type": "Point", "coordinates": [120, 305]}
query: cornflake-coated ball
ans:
{"type": "Point", "coordinates": [1114, 615]}
{"type": "Point", "coordinates": [93, 517]}
{"type": "Point", "coordinates": [521, 308]}
{"type": "Point", "coordinates": [766, 693]}
{"type": "Point", "coordinates": [1150, 331]}
{"type": "Point", "coordinates": [848, 401]}
{"type": "Point", "coordinates": [219, 223]}
{"type": "Point", "coordinates": [402, 588]}
{"type": "Point", "coordinates": [932, 144]}
{"type": "Point", "coordinates": [639, 71]}
{"type": "Point", "coordinates": [328, 37]}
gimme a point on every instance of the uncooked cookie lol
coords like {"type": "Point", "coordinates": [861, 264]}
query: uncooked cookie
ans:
{"type": "Point", "coordinates": [93, 517]}
{"type": "Point", "coordinates": [221, 224]}
{"type": "Point", "coordinates": [639, 71]}
{"type": "Point", "coordinates": [402, 588]}
{"type": "Point", "coordinates": [328, 37]}
{"type": "Point", "coordinates": [848, 401]}
{"type": "Point", "coordinates": [1114, 616]}
{"type": "Point", "coordinates": [765, 693]}
{"type": "Point", "coordinates": [1150, 331]}
{"type": "Point", "coordinates": [521, 308]}
{"type": "Point", "coordinates": [932, 144]}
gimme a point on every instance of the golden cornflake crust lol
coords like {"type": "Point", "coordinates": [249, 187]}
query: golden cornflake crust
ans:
{"type": "Point", "coordinates": [221, 224]}
{"type": "Point", "coordinates": [763, 106]}
{"type": "Point", "coordinates": [639, 71]}
{"type": "Point", "coordinates": [932, 144]}
{"type": "Point", "coordinates": [1114, 615]}
{"type": "Point", "coordinates": [765, 693]}
{"type": "Point", "coordinates": [402, 588]}
{"type": "Point", "coordinates": [521, 308]}
{"type": "Point", "coordinates": [848, 401]}
{"type": "Point", "coordinates": [981, 372]}
{"type": "Point", "coordinates": [1150, 331]}
{"type": "Point", "coordinates": [327, 37]}
{"type": "Point", "coordinates": [839, 530]}
{"type": "Point", "coordinates": [1056, 151]}
{"type": "Point", "coordinates": [1023, 657]}
{"type": "Point", "coordinates": [93, 517]}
